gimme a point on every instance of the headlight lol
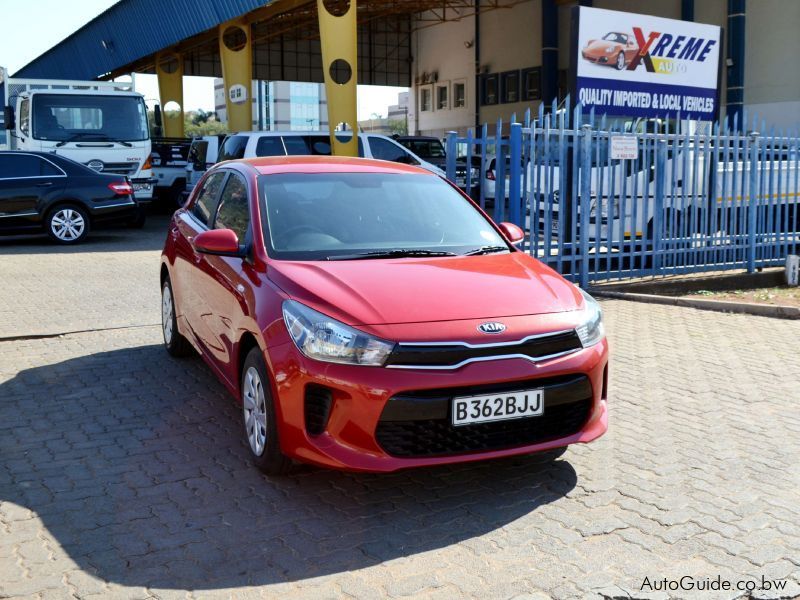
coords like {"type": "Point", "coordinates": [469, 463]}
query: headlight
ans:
{"type": "Point", "coordinates": [322, 338]}
{"type": "Point", "coordinates": [610, 49]}
{"type": "Point", "coordinates": [591, 330]}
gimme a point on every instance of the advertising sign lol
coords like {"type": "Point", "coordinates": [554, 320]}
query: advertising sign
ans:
{"type": "Point", "coordinates": [643, 66]}
{"type": "Point", "coordinates": [624, 147]}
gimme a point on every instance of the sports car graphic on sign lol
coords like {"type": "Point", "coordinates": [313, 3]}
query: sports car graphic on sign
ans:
{"type": "Point", "coordinates": [614, 49]}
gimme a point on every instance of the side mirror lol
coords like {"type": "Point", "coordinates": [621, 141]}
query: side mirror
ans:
{"type": "Point", "coordinates": [157, 121]}
{"type": "Point", "coordinates": [8, 117]}
{"type": "Point", "coordinates": [513, 233]}
{"type": "Point", "coordinates": [219, 242]}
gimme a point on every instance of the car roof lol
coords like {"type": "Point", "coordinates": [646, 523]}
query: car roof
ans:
{"type": "Point", "coordinates": [270, 165]}
{"type": "Point", "coordinates": [416, 137]}
{"type": "Point", "coordinates": [324, 133]}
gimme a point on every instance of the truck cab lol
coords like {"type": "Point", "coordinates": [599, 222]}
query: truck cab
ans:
{"type": "Point", "coordinates": [94, 123]}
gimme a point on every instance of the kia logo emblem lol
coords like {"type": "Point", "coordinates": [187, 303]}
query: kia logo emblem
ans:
{"type": "Point", "coordinates": [95, 165]}
{"type": "Point", "coordinates": [493, 327]}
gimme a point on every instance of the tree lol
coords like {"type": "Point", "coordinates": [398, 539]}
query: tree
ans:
{"type": "Point", "coordinates": [398, 127]}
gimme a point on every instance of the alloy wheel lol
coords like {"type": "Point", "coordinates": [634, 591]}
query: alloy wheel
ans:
{"type": "Point", "coordinates": [620, 61]}
{"type": "Point", "coordinates": [67, 224]}
{"type": "Point", "coordinates": [254, 405]}
{"type": "Point", "coordinates": [166, 313]}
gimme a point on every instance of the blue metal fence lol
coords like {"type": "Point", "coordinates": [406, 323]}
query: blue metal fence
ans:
{"type": "Point", "coordinates": [690, 199]}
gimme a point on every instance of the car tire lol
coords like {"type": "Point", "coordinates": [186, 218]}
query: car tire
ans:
{"type": "Point", "coordinates": [67, 224]}
{"type": "Point", "coordinates": [177, 345]}
{"type": "Point", "coordinates": [259, 417]}
{"type": "Point", "coordinates": [620, 64]}
{"type": "Point", "coordinates": [139, 219]}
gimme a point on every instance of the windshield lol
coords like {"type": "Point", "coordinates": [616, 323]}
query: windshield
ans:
{"type": "Point", "coordinates": [426, 148]}
{"type": "Point", "coordinates": [328, 215]}
{"type": "Point", "coordinates": [615, 37]}
{"type": "Point", "coordinates": [90, 117]}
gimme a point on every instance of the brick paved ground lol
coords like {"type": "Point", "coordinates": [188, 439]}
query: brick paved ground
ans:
{"type": "Point", "coordinates": [122, 473]}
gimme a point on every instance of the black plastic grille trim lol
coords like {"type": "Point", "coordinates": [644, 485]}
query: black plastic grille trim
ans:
{"type": "Point", "coordinates": [409, 355]}
{"type": "Point", "coordinates": [318, 402]}
{"type": "Point", "coordinates": [417, 424]}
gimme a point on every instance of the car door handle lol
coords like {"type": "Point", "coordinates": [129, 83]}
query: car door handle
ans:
{"type": "Point", "coordinates": [49, 183]}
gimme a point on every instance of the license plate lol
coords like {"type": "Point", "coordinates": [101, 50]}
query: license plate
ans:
{"type": "Point", "coordinates": [141, 187]}
{"type": "Point", "coordinates": [497, 407]}
{"type": "Point", "coordinates": [461, 182]}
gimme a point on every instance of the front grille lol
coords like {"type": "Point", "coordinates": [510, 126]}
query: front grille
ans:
{"type": "Point", "coordinates": [317, 408]}
{"type": "Point", "coordinates": [122, 168]}
{"type": "Point", "coordinates": [418, 424]}
{"type": "Point", "coordinates": [453, 355]}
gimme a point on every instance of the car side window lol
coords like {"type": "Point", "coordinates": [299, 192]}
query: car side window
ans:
{"type": "Point", "coordinates": [16, 166]}
{"type": "Point", "coordinates": [48, 169]}
{"type": "Point", "coordinates": [233, 148]}
{"type": "Point", "coordinates": [270, 146]}
{"type": "Point", "coordinates": [234, 208]}
{"type": "Point", "coordinates": [387, 150]}
{"type": "Point", "coordinates": [206, 204]}
{"type": "Point", "coordinates": [296, 145]}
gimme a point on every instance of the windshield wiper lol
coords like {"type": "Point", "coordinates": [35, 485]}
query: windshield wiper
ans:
{"type": "Point", "coordinates": [486, 250]}
{"type": "Point", "coordinates": [390, 254]}
{"type": "Point", "coordinates": [75, 137]}
{"type": "Point", "coordinates": [101, 137]}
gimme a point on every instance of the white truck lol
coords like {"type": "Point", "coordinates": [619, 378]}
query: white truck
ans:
{"type": "Point", "coordinates": [100, 124]}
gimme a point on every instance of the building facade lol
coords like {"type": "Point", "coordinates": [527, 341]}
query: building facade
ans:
{"type": "Point", "coordinates": [474, 69]}
{"type": "Point", "coordinates": [281, 105]}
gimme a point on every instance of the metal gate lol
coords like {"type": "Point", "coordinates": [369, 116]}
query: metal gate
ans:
{"type": "Point", "coordinates": [688, 199]}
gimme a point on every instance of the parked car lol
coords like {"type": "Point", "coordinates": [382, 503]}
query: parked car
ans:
{"type": "Point", "coordinates": [369, 317]}
{"type": "Point", "coordinates": [202, 156]}
{"type": "Point", "coordinates": [46, 192]}
{"type": "Point", "coordinates": [170, 159]}
{"type": "Point", "coordinates": [474, 190]}
{"type": "Point", "coordinates": [427, 148]}
{"type": "Point", "coordinates": [614, 49]}
{"type": "Point", "coordinates": [252, 144]}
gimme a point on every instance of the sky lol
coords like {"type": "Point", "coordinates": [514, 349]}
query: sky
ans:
{"type": "Point", "coordinates": [18, 47]}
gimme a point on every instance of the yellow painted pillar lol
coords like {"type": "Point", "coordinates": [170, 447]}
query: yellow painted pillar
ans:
{"type": "Point", "coordinates": [169, 68]}
{"type": "Point", "coordinates": [338, 36]}
{"type": "Point", "coordinates": [236, 53]}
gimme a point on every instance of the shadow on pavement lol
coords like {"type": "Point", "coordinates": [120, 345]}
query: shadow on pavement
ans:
{"type": "Point", "coordinates": [108, 239]}
{"type": "Point", "coordinates": [135, 463]}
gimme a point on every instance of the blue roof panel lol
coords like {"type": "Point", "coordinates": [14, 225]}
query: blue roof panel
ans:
{"type": "Point", "coordinates": [131, 30]}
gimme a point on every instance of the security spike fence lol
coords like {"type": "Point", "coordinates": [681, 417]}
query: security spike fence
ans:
{"type": "Point", "coordinates": [691, 197]}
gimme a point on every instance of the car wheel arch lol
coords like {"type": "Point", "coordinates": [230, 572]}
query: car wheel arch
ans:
{"type": "Point", "coordinates": [65, 201]}
{"type": "Point", "coordinates": [247, 342]}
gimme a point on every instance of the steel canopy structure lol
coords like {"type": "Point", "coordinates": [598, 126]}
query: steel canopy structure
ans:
{"type": "Point", "coordinates": [132, 33]}
{"type": "Point", "coordinates": [242, 40]}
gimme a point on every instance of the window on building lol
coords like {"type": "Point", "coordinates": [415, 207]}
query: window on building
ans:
{"type": "Point", "coordinates": [490, 89]}
{"type": "Point", "coordinates": [511, 86]}
{"type": "Point", "coordinates": [532, 84]}
{"type": "Point", "coordinates": [441, 97]}
{"type": "Point", "coordinates": [425, 99]}
{"type": "Point", "coordinates": [459, 94]}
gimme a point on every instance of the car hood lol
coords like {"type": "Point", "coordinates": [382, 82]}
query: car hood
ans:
{"type": "Point", "coordinates": [600, 46]}
{"type": "Point", "coordinates": [411, 290]}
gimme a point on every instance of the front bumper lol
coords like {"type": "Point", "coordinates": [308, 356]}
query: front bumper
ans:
{"type": "Point", "coordinates": [382, 419]}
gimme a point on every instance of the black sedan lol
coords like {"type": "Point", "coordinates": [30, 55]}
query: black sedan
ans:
{"type": "Point", "coordinates": [42, 191]}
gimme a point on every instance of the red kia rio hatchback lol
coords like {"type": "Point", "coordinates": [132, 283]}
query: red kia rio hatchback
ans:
{"type": "Point", "coordinates": [368, 316]}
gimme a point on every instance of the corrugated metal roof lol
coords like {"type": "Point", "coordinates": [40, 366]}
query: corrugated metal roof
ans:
{"type": "Point", "coordinates": [131, 30]}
